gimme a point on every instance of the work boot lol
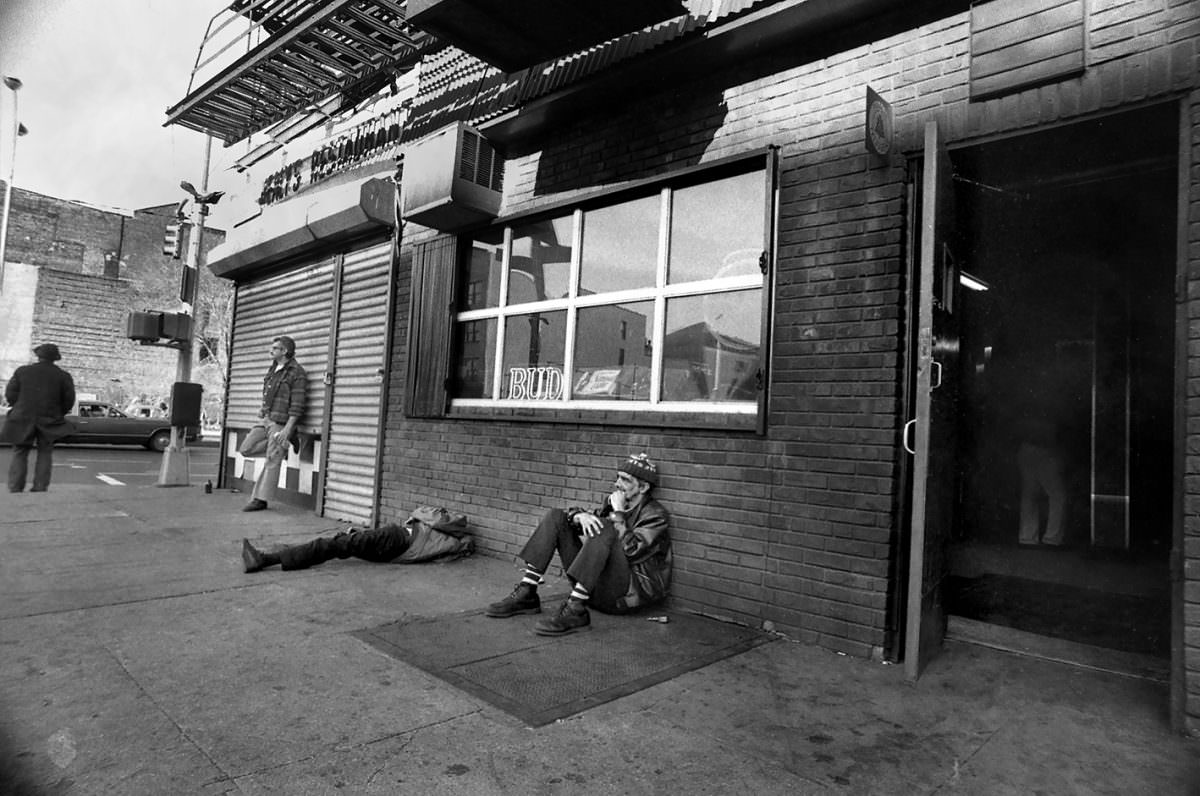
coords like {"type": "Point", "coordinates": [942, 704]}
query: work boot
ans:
{"type": "Point", "coordinates": [252, 559]}
{"type": "Point", "coordinates": [571, 617]}
{"type": "Point", "coordinates": [523, 600]}
{"type": "Point", "coordinates": [255, 505]}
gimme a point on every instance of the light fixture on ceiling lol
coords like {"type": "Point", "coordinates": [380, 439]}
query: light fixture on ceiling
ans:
{"type": "Point", "coordinates": [972, 282]}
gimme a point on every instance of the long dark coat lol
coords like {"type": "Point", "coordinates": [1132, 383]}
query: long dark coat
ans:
{"type": "Point", "coordinates": [40, 394]}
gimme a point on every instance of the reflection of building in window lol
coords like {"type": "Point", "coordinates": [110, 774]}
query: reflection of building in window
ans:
{"type": "Point", "coordinates": [572, 311]}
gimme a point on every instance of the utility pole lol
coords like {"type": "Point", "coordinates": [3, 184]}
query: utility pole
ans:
{"type": "Point", "coordinates": [176, 464]}
{"type": "Point", "coordinates": [18, 130]}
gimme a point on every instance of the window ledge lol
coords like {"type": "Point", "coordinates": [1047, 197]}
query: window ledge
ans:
{"type": "Point", "coordinates": [607, 417]}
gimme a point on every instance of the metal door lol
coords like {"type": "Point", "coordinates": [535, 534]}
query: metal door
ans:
{"type": "Point", "coordinates": [930, 435]}
{"type": "Point", "coordinates": [298, 304]}
{"type": "Point", "coordinates": [358, 354]}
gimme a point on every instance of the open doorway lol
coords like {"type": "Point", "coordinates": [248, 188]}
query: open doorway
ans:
{"type": "Point", "coordinates": [1066, 325]}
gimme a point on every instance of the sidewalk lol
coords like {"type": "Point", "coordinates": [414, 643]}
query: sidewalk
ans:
{"type": "Point", "coordinates": [139, 659]}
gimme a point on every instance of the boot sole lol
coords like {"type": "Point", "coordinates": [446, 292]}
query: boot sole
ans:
{"type": "Point", "coordinates": [568, 631]}
{"type": "Point", "coordinates": [517, 612]}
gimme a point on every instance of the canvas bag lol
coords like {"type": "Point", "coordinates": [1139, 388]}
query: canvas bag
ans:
{"type": "Point", "coordinates": [435, 533]}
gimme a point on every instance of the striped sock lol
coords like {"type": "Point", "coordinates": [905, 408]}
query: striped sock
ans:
{"type": "Point", "coordinates": [532, 577]}
{"type": "Point", "coordinates": [578, 592]}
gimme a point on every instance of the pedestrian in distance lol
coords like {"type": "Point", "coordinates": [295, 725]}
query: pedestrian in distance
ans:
{"type": "Point", "coordinates": [285, 397]}
{"type": "Point", "coordinates": [41, 395]}
{"type": "Point", "coordinates": [617, 557]}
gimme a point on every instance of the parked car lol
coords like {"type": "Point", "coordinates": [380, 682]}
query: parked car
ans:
{"type": "Point", "coordinates": [100, 422]}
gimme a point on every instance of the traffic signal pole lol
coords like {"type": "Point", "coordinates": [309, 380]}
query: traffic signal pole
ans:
{"type": "Point", "coordinates": [176, 461]}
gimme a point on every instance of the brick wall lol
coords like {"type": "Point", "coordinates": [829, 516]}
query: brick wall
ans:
{"type": "Point", "coordinates": [1189, 379]}
{"type": "Point", "coordinates": [85, 315]}
{"type": "Point", "coordinates": [83, 297]}
{"type": "Point", "coordinates": [798, 527]}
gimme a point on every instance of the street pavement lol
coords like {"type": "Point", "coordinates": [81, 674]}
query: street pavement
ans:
{"type": "Point", "coordinates": [138, 658]}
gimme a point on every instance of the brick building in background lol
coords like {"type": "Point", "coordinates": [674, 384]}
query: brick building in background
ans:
{"type": "Point", "coordinates": [74, 272]}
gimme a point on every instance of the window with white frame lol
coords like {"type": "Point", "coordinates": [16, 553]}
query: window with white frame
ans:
{"type": "Point", "coordinates": [652, 299]}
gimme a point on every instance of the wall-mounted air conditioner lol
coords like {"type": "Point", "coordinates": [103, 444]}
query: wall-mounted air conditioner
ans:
{"type": "Point", "coordinates": [452, 179]}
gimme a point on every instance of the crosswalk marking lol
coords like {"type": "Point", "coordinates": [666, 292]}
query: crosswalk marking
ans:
{"type": "Point", "coordinates": [109, 480]}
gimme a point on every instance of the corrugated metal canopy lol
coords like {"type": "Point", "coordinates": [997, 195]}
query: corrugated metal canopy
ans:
{"type": "Point", "coordinates": [516, 35]}
{"type": "Point", "coordinates": [307, 52]}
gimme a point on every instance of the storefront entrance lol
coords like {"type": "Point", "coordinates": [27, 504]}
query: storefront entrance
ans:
{"type": "Point", "coordinates": [1064, 381]}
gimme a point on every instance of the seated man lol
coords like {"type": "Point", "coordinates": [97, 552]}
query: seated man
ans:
{"type": "Point", "coordinates": [430, 533]}
{"type": "Point", "coordinates": [617, 558]}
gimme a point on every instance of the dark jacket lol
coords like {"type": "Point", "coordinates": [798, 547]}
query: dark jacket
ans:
{"type": "Point", "coordinates": [40, 394]}
{"type": "Point", "coordinates": [647, 548]}
{"type": "Point", "coordinates": [285, 392]}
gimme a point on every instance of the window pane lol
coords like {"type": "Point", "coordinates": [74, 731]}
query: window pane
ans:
{"type": "Point", "coordinates": [533, 356]}
{"type": "Point", "coordinates": [484, 261]}
{"type": "Point", "coordinates": [612, 352]}
{"type": "Point", "coordinates": [620, 246]}
{"type": "Point", "coordinates": [717, 229]}
{"type": "Point", "coordinates": [540, 261]}
{"type": "Point", "coordinates": [474, 355]}
{"type": "Point", "coordinates": [711, 351]}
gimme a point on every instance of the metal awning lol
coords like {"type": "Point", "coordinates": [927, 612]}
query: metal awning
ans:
{"type": "Point", "coordinates": [516, 35]}
{"type": "Point", "coordinates": [299, 55]}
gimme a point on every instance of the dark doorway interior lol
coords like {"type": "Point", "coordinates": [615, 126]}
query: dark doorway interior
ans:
{"type": "Point", "coordinates": [1065, 477]}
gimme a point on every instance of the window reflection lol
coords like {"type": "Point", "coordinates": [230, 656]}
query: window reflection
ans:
{"type": "Point", "coordinates": [540, 261]}
{"type": "Point", "coordinates": [475, 354]}
{"type": "Point", "coordinates": [612, 352]}
{"type": "Point", "coordinates": [483, 266]}
{"type": "Point", "coordinates": [620, 246]}
{"type": "Point", "coordinates": [711, 348]}
{"type": "Point", "coordinates": [534, 347]}
{"type": "Point", "coordinates": [717, 229]}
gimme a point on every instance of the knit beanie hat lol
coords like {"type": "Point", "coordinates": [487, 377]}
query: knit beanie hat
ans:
{"type": "Point", "coordinates": [639, 466]}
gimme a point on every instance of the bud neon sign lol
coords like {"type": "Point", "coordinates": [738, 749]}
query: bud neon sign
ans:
{"type": "Point", "coordinates": [535, 384]}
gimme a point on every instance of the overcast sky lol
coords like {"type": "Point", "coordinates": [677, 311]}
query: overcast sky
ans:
{"type": "Point", "coordinates": [98, 77]}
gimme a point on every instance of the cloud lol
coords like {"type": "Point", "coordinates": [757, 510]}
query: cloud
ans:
{"type": "Point", "coordinates": [98, 79]}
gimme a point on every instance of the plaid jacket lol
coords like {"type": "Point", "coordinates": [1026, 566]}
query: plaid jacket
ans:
{"type": "Point", "coordinates": [285, 392]}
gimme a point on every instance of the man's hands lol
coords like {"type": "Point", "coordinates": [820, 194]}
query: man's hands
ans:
{"type": "Point", "coordinates": [589, 523]}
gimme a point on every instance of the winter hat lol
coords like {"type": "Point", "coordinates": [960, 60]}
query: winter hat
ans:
{"type": "Point", "coordinates": [639, 466]}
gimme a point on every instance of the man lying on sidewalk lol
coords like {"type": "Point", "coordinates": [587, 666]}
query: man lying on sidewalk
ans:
{"type": "Point", "coordinates": [428, 534]}
{"type": "Point", "coordinates": [617, 558]}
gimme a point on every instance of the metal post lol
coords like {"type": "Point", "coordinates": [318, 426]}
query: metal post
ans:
{"type": "Point", "coordinates": [17, 131]}
{"type": "Point", "coordinates": [176, 465]}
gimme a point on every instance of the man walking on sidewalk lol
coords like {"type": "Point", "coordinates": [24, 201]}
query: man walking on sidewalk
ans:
{"type": "Point", "coordinates": [41, 395]}
{"type": "Point", "coordinates": [617, 557]}
{"type": "Point", "coordinates": [285, 396]}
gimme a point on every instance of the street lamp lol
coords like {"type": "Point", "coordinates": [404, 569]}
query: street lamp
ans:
{"type": "Point", "coordinates": [19, 130]}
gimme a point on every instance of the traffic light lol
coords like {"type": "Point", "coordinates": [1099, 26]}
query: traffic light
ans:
{"type": "Point", "coordinates": [171, 241]}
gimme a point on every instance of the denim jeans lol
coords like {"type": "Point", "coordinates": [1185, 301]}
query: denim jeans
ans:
{"type": "Point", "coordinates": [379, 545]}
{"type": "Point", "coordinates": [596, 562]}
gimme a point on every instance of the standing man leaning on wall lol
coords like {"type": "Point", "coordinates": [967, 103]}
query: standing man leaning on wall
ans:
{"type": "Point", "coordinates": [40, 394]}
{"type": "Point", "coordinates": [285, 395]}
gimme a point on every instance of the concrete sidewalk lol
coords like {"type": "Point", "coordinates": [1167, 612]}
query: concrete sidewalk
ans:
{"type": "Point", "coordinates": [139, 659]}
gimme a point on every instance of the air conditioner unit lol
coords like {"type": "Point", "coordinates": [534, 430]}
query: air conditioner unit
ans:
{"type": "Point", "coordinates": [453, 179]}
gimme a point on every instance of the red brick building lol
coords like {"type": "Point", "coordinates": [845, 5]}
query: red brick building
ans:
{"type": "Point", "coordinates": [848, 312]}
{"type": "Point", "coordinates": [73, 273]}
